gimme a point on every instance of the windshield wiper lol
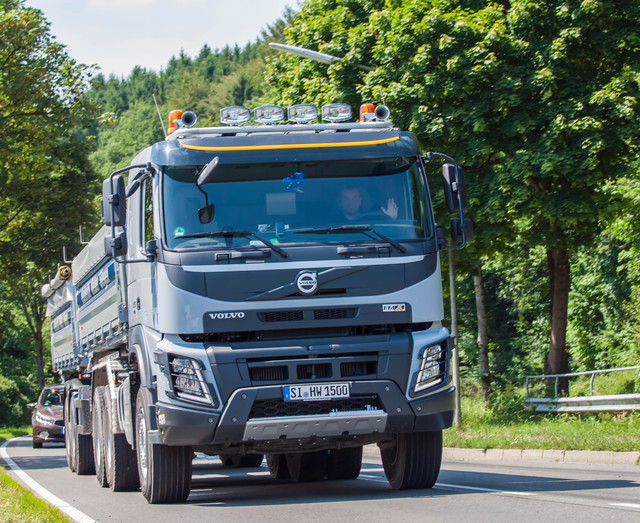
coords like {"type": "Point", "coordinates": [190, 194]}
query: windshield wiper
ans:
{"type": "Point", "coordinates": [352, 228]}
{"type": "Point", "coordinates": [232, 234]}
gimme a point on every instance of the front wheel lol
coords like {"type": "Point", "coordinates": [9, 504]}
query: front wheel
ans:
{"type": "Point", "coordinates": [413, 459]}
{"type": "Point", "coordinates": [165, 472]}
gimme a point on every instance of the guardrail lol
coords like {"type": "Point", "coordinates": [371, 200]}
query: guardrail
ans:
{"type": "Point", "coordinates": [591, 403]}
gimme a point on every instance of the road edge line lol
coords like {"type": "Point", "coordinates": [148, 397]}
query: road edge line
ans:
{"type": "Point", "coordinates": [39, 490]}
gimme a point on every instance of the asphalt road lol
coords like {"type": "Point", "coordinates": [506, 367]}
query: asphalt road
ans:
{"type": "Point", "coordinates": [466, 491]}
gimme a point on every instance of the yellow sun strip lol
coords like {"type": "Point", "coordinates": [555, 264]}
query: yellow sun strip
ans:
{"type": "Point", "coordinates": [290, 146]}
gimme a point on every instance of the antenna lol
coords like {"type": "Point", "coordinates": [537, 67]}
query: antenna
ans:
{"type": "Point", "coordinates": [82, 242]}
{"type": "Point", "coordinates": [159, 116]}
{"type": "Point", "coordinates": [64, 255]}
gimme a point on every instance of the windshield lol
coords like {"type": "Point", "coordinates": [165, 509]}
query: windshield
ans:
{"type": "Point", "coordinates": [295, 203]}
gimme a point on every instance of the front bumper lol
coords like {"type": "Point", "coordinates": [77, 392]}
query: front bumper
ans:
{"type": "Point", "coordinates": [384, 410]}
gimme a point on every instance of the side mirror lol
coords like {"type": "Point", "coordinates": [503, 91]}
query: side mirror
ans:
{"type": "Point", "coordinates": [457, 227]}
{"type": "Point", "coordinates": [205, 214]}
{"type": "Point", "coordinates": [115, 247]}
{"type": "Point", "coordinates": [455, 193]}
{"type": "Point", "coordinates": [31, 405]}
{"type": "Point", "coordinates": [114, 201]}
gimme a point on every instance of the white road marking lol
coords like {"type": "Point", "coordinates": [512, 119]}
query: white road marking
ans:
{"type": "Point", "coordinates": [50, 498]}
{"type": "Point", "coordinates": [258, 473]}
{"type": "Point", "coordinates": [626, 505]}
{"type": "Point", "coordinates": [482, 489]}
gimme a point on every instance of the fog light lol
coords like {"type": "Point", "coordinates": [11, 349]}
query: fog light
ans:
{"type": "Point", "coordinates": [431, 368]}
{"type": "Point", "coordinates": [187, 379]}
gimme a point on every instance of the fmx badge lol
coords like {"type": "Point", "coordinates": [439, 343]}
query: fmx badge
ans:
{"type": "Point", "coordinates": [394, 307]}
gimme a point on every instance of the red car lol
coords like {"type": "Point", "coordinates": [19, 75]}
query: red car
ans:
{"type": "Point", "coordinates": [47, 418]}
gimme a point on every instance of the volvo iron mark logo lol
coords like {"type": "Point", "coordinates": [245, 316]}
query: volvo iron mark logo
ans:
{"type": "Point", "coordinates": [307, 283]}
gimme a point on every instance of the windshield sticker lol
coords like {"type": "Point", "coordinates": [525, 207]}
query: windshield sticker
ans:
{"type": "Point", "coordinates": [178, 232]}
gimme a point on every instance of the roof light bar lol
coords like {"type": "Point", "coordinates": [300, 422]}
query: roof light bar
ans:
{"type": "Point", "coordinates": [268, 114]}
{"type": "Point", "coordinates": [234, 115]}
{"type": "Point", "coordinates": [303, 113]}
{"type": "Point", "coordinates": [336, 112]}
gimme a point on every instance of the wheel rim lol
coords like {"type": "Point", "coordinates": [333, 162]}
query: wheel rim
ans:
{"type": "Point", "coordinates": [69, 440]}
{"type": "Point", "coordinates": [108, 458]}
{"type": "Point", "coordinates": [142, 444]}
{"type": "Point", "coordinates": [97, 438]}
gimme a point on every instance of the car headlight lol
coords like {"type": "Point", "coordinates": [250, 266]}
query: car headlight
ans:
{"type": "Point", "coordinates": [432, 368]}
{"type": "Point", "coordinates": [43, 419]}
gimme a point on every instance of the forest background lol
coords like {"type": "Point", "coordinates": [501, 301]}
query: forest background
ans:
{"type": "Point", "coordinates": [537, 100]}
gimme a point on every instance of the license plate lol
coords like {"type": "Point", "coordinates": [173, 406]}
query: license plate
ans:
{"type": "Point", "coordinates": [320, 392]}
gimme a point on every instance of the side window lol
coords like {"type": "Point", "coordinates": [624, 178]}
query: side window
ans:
{"type": "Point", "coordinates": [147, 208]}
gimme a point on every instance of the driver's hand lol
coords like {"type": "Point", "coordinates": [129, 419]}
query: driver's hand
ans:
{"type": "Point", "coordinates": [392, 209]}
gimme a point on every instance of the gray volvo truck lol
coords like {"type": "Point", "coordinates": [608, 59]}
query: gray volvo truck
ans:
{"type": "Point", "coordinates": [260, 290]}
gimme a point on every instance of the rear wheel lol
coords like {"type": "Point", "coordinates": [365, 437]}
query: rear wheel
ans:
{"type": "Point", "coordinates": [120, 459]}
{"type": "Point", "coordinates": [79, 446]}
{"type": "Point", "coordinates": [413, 460]}
{"type": "Point", "coordinates": [165, 472]}
{"type": "Point", "coordinates": [240, 461]}
{"type": "Point", "coordinates": [344, 463]}
{"type": "Point", "coordinates": [278, 468]}
{"type": "Point", "coordinates": [307, 466]}
{"type": "Point", "coordinates": [98, 435]}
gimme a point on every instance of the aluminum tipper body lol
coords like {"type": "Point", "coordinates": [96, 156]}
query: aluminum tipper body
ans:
{"type": "Point", "coordinates": [259, 290]}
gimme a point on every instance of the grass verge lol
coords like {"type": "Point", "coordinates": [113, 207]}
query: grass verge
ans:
{"type": "Point", "coordinates": [507, 425]}
{"type": "Point", "coordinates": [17, 504]}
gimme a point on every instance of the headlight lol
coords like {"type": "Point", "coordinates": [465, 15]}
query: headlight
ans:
{"type": "Point", "coordinates": [43, 419]}
{"type": "Point", "coordinates": [432, 368]}
{"type": "Point", "coordinates": [187, 379]}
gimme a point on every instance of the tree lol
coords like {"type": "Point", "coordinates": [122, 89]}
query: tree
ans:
{"type": "Point", "coordinates": [46, 183]}
{"type": "Point", "coordinates": [537, 98]}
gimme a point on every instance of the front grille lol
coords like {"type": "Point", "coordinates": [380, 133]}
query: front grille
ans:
{"type": "Point", "coordinates": [280, 316]}
{"type": "Point", "coordinates": [334, 314]}
{"type": "Point", "coordinates": [308, 314]}
{"type": "Point", "coordinates": [277, 408]}
{"type": "Point", "coordinates": [352, 369]}
{"type": "Point", "coordinates": [275, 373]}
{"type": "Point", "coordinates": [314, 371]}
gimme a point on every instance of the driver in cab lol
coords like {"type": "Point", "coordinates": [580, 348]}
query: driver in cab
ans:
{"type": "Point", "coordinates": [351, 205]}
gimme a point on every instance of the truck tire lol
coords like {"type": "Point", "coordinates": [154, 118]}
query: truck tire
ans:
{"type": "Point", "coordinates": [165, 472]}
{"type": "Point", "coordinates": [121, 465]}
{"type": "Point", "coordinates": [85, 465]}
{"type": "Point", "coordinates": [79, 447]}
{"type": "Point", "coordinates": [413, 460]}
{"type": "Point", "coordinates": [278, 467]}
{"type": "Point", "coordinates": [344, 463]}
{"type": "Point", "coordinates": [97, 416]}
{"type": "Point", "coordinates": [240, 461]}
{"type": "Point", "coordinates": [307, 466]}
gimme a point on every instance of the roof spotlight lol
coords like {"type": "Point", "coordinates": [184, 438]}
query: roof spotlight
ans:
{"type": "Point", "coordinates": [234, 115]}
{"type": "Point", "coordinates": [303, 113]}
{"type": "Point", "coordinates": [336, 112]}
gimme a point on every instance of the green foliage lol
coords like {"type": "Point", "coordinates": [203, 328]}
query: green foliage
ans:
{"type": "Point", "coordinates": [539, 102]}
